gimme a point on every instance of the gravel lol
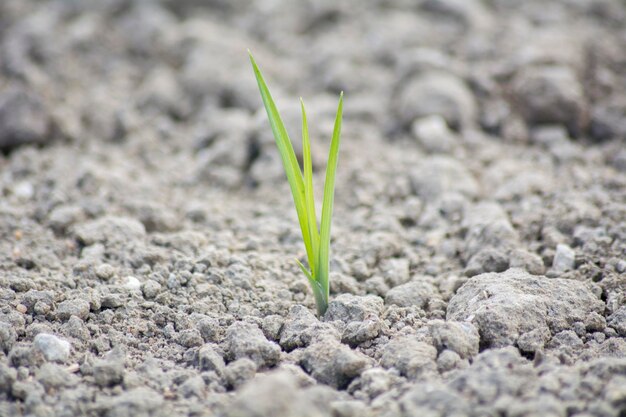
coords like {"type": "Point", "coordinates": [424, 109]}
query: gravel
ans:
{"type": "Point", "coordinates": [411, 357]}
{"type": "Point", "coordinates": [52, 347]}
{"type": "Point", "coordinates": [148, 233]}
{"type": "Point", "coordinates": [519, 303]}
{"type": "Point", "coordinates": [332, 363]}
{"type": "Point", "coordinates": [24, 118]}
{"type": "Point", "coordinates": [245, 340]}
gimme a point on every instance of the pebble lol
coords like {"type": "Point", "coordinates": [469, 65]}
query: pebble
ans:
{"type": "Point", "coordinates": [564, 259]}
{"type": "Point", "coordinates": [508, 304]}
{"type": "Point", "coordinates": [433, 134]}
{"type": "Point", "coordinates": [245, 340]}
{"type": "Point", "coordinates": [150, 289]}
{"type": "Point", "coordinates": [132, 283]}
{"type": "Point", "coordinates": [76, 307]}
{"type": "Point", "coordinates": [23, 118]}
{"type": "Point", "coordinates": [461, 338]}
{"type": "Point", "coordinates": [105, 272]}
{"type": "Point", "coordinates": [437, 93]}
{"type": "Point", "coordinates": [411, 357]}
{"type": "Point", "coordinates": [53, 376]}
{"type": "Point", "coordinates": [110, 370]}
{"type": "Point", "coordinates": [416, 293]}
{"type": "Point", "coordinates": [209, 359]}
{"type": "Point", "coordinates": [348, 308]}
{"type": "Point", "coordinates": [8, 337]}
{"type": "Point", "coordinates": [111, 301]}
{"type": "Point", "coordinates": [53, 348]}
{"type": "Point", "coordinates": [550, 94]}
{"type": "Point", "coordinates": [239, 372]}
{"type": "Point", "coordinates": [333, 363]}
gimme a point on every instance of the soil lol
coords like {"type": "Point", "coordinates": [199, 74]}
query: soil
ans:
{"type": "Point", "coordinates": [148, 235]}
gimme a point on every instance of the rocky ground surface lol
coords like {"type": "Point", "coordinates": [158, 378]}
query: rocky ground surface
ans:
{"type": "Point", "coordinates": [147, 234]}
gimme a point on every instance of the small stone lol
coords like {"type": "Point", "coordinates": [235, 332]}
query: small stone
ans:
{"type": "Point", "coordinates": [210, 329]}
{"type": "Point", "coordinates": [579, 328]}
{"type": "Point", "coordinates": [110, 229]}
{"type": "Point", "coordinates": [23, 118]}
{"type": "Point", "coordinates": [566, 338]}
{"type": "Point", "coordinates": [459, 337]}
{"type": "Point", "coordinates": [190, 338]}
{"type": "Point", "coordinates": [564, 259]}
{"type": "Point", "coordinates": [617, 321]}
{"type": "Point", "coordinates": [21, 308]}
{"type": "Point", "coordinates": [111, 301]}
{"type": "Point", "coordinates": [487, 260]}
{"type": "Point", "coordinates": [608, 122]}
{"type": "Point", "coordinates": [239, 372]}
{"type": "Point", "coordinates": [533, 340]}
{"type": "Point", "coordinates": [210, 360]}
{"type": "Point", "coordinates": [193, 387]}
{"type": "Point", "coordinates": [498, 234]}
{"type": "Point", "coordinates": [447, 361]}
{"type": "Point", "coordinates": [520, 258]}
{"type": "Point", "coordinates": [54, 349]}
{"type": "Point", "coordinates": [77, 329]}
{"type": "Point", "coordinates": [62, 217]}
{"type": "Point", "coordinates": [357, 332]}
{"type": "Point", "coordinates": [110, 370]}
{"type": "Point", "coordinates": [550, 94]}
{"type": "Point", "coordinates": [8, 337]}
{"type": "Point", "coordinates": [132, 283]}
{"type": "Point", "coordinates": [276, 394]}
{"type": "Point", "coordinates": [33, 297]}
{"type": "Point", "coordinates": [140, 401]}
{"type": "Point", "coordinates": [76, 307]}
{"type": "Point", "coordinates": [332, 363]}
{"type": "Point", "coordinates": [441, 174]}
{"type": "Point", "coordinates": [272, 325]}
{"type": "Point", "coordinates": [599, 337]}
{"type": "Point", "coordinates": [245, 340]}
{"type": "Point", "coordinates": [549, 135]}
{"type": "Point", "coordinates": [42, 308]}
{"type": "Point", "coordinates": [433, 134]}
{"type": "Point", "coordinates": [24, 190]}
{"type": "Point", "coordinates": [415, 293]}
{"type": "Point", "coordinates": [53, 376]}
{"type": "Point", "coordinates": [105, 272]}
{"type": "Point", "coordinates": [376, 285]}
{"type": "Point", "coordinates": [150, 289]}
{"type": "Point", "coordinates": [302, 327]}
{"type": "Point", "coordinates": [508, 304]}
{"type": "Point", "coordinates": [7, 378]}
{"type": "Point", "coordinates": [409, 356]}
{"type": "Point", "coordinates": [374, 382]}
{"type": "Point", "coordinates": [436, 93]}
{"type": "Point", "coordinates": [348, 308]}
{"type": "Point", "coordinates": [395, 271]}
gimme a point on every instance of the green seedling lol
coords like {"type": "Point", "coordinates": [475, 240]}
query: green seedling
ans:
{"type": "Point", "coordinates": [316, 241]}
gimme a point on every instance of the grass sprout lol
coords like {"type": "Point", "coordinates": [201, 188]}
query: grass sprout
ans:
{"type": "Point", "coordinates": [316, 240]}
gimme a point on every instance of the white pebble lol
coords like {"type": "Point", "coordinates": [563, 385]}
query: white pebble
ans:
{"type": "Point", "coordinates": [132, 283]}
{"type": "Point", "coordinates": [54, 349]}
{"type": "Point", "coordinates": [564, 258]}
{"type": "Point", "coordinates": [24, 190]}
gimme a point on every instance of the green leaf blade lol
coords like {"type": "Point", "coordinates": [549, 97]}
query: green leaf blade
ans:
{"type": "Point", "coordinates": [327, 207]}
{"type": "Point", "coordinates": [288, 157]}
{"type": "Point", "coordinates": [308, 190]}
{"type": "Point", "coordinates": [321, 300]}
